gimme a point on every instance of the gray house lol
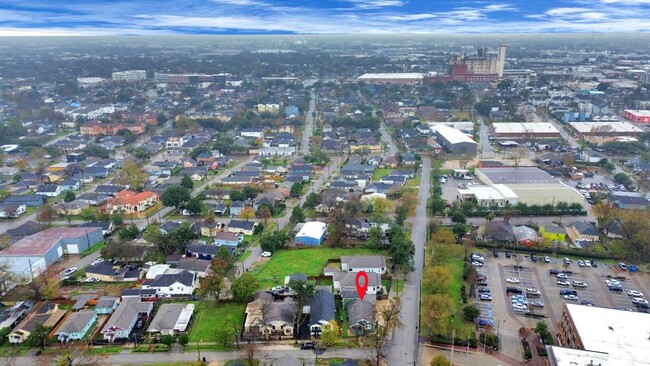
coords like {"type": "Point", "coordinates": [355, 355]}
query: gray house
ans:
{"type": "Point", "coordinates": [171, 319]}
{"type": "Point", "coordinates": [121, 323]}
{"type": "Point", "coordinates": [322, 310]}
{"type": "Point", "coordinates": [76, 325]}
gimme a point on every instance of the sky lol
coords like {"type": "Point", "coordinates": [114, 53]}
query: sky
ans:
{"type": "Point", "coordinates": [152, 17]}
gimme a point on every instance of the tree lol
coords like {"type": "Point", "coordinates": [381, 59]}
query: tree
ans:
{"type": "Point", "coordinates": [4, 194]}
{"type": "Point", "coordinates": [302, 292]}
{"type": "Point", "coordinates": [331, 334]}
{"type": "Point", "coordinates": [483, 107]}
{"type": "Point", "coordinates": [175, 196]}
{"type": "Point", "coordinates": [296, 190]}
{"type": "Point", "coordinates": [249, 192]}
{"type": "Point", "coordinates": [387, 320]}
{"type": "Point", "coordinates": [214, 284]}
{"type": "Point", "coordinates": [409, 202]}
{"type": "Point", "coordinates": [437, 310]}
{"type": "Point", "coordinates": [400, 215]}
{"type": "Point", "coordinates": [459, 229]}
{"type": "Point", "coordinates": [436, 280]}
{"type": "Point", "coordinates": [247, 213]}
{"type": "Point", "coordinates": [470, 312]}
{"type": "Point", "coordinates": [271, 242]}
{"type": "Point", "coordinates": [605, 214]}
{"type": "Point", "coordinates": [458, 216]}
{"type": "Point", "coordinates": [76, 354]}
{"type": "Point", "coordinates": [88, 213]}
{"type": "Point", "coordinates": [195, 206]}
{"type": "Point", "coordinates": [375, 234]}
{"type": "Point", "coordinates": [129, 233]}
{"type": "Point", "coordinates": [313, 199]}
{"type": "Point", "coordinates": [183, 339]}
{"type": "Point", "coordinates": [244, 287]}
{"type": "Point", "coordinates": [440, 360]}
{"type": "Point", "coordinates": [187, 182]}
{"type": "Point", "coordinates": [250, 350]}
{"type": "Point", "coordinates": [401, 250]}
{"type": "Point", "coordinates": [69, 196]}
{"type": "Point", "coordinates": [168, 340]}
{"type": "Point", "coordinates": [236, 196]}
{"type": "Point", "coordinates": [117, 220]}
{"type": "Point", "coordinates": [380, 207]}
{"type": "Point", "coordinates": [132, 175]}
{"type": "Point", "coordinates": [297, 215]}
{"type": "Point", "coordinates": [45, 213]}
{"type": "Point", "coordinates": [541, 328]}
{"type": "Point", "coordinates": [224, 336]}
{"type": "Point", "coordinates": [264, 213]}
{"type": "Point", "coordinates": [38, 336]}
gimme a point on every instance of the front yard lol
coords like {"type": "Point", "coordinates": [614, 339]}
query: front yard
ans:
{"type": "Point", "coordinates": [309, 261]}
{"type": "Point", "coordinates": [209, 316]}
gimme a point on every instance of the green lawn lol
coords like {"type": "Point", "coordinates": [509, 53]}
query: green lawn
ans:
{"type": "Point", "coordinates": [309, 261]}
{"type": "Point", "coordinates": [210, 315]}
{"type": "Point", "coordinates": [413, 183]}
{"type": "Point", "coordinates": [245, 255]}
{"type": "Point", "coordinates": [378, 173]}
{"type": "Point", "coordinates": [94, 248]}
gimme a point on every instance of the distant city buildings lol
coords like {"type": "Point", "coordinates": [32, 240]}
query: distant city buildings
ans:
{"type": "Point", "coordinates": [480, 68]}
{"type": "Point", "coordinates": [130, 75]}
{"type": "Point", "coordinates": [190, 79]}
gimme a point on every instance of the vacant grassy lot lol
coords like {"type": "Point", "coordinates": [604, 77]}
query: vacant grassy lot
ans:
{"type": "Point", "coordinates": [378, 173]}
{"type": "Point", "coordinates": [210, 316]}
{"type": "Point", "coordinates": [309, 261]}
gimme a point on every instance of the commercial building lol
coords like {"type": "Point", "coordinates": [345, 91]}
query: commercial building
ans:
{"type": "Point", "coordinates": [455, 141]}
{"type": "Point", "coordinates": [600, 336]}
{"type": "Point", "coordinates": [191, 79]}
{"type": "Point", "coordinates": [531, 185]}
{"type": "Point", "coordinates": [31, 255]}
{"type": "Point", "coordinates": [604, 129]}
{"type": "Point", "coordinates": [637, 115]}
{"type": "Point", "coordinates": [129, 75]}
{"type": "Point", "coordinates": [312, 233]}
{"type": "Point", "coordinates": [480, 68]}
{"type": "Point", "coordinates": [392, 78]}
{"type": "Point", "coordinates": [498, 195]}
{"type": "Point", "coordinates": [525, 131]}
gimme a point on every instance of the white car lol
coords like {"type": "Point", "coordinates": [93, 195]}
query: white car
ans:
{"type": "Point", "coordinates": [266, 254]}
{"type": "Point", "coordinates": [579, 284]}
{"type": "Point", "coordinates": [612, 282]}
{"type": "Point", "coordinates": [477, 264]}
{"type": "Point", "coordinates": [561, 276]}
{"type": "Point", "coordinates": [97, 261]}
{"type": "Point", "coordinates": [512, 280]}
{"type": "Point", "coordinates": [91, 280]}
{"type": "Point", "coordinates": [570, 297]}
{"type": "Point", "coordinates": [587, 263]}
{"type": "Point", "coordinates": [519, 306]}
{"type": "Point", "coordinates": [563, 283]}
{"type": "Point", "coordinates": [635, 293]}
{"type": "Point", "coordinates": [70, 271]}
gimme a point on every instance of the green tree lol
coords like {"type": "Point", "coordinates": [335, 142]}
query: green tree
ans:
{"type": "Point", "coordinates": [440, 360]}
{"type": "Point", "coordinates": [187, 182]}
{"type": "Point", "coordinates": [69, 196]}
{"type": "Point", "coordinates": [313, 199]}
{"type": "Point", "coordinates": [470, 312]}
{"type": "Point", "coordinates": [375, 234]}
{"type": "Point", "coordinates": [401, 249]}
{"type": "Point", "coordinates": [195, 206]}
{"type": "Point", "coordinates": [436, 280]}
{"type": "Point", "coordinates": [296, 190]}
{"type": "Point", "coordinates": [129, 233]}
{"type": "Point", "coordinates": [297, 215]}
{"type": "Point", "coordinates": [244, 287]}
{"type": "Point", "coordinates": [249, 192]}
{"type": "Point", "coordinates": [331, 334]}
{"type": "Point", "coordinates": [271, 242]}
{"type": "Point", "coordinates": [183, 339]}
{"type": "Point", "coordinates": [224, 336]}
{"type": "Point", "coordinates": [132, 175]}
{"type": "Point", "coordinates": [168, 340]}
{"type": "Point", "coordinates": [175, 196]}
{"type": "Point", "coordinates": [88, 213]}
{"type": "Point", "coordinates": [459, 229]}
{"type": "Point", "coordinates": [237, 196]}
{"type": "Point", "coordinates": [117, 220]}
{"type": "Point", "coordinates": [302, 292]}
{"type": "Point", "coordinates": [38, 336]}
{"type": "Point", "coordinates": [458, 216]}
{"type": "Point", "coordinates": [401, 214]}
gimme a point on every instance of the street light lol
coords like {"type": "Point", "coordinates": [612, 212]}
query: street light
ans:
{"type": "Point", "coordinates": [198, 350]}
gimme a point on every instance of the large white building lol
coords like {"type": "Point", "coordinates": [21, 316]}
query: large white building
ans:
{"type": "Point", "coordinates": [525, 131]}
{"type": "Point", "coordinates": [393, 78]}
{"type": "Point", "coordinates": [601, 336]}
{"type": "Point", "coordinates": [455, 141]}
{"type": "Point", "coordinates": [130, 75]}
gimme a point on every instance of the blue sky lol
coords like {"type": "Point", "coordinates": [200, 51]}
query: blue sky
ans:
{"type": "Point", "coordinates": [144, 17]}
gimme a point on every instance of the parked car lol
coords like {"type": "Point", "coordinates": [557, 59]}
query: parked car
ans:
{"type": "Point", "coordinates": [477, 264]}
{"type": "Point", "coordinates": [587, 302]}
{"type": "Point", "coordinates": [570, 297]}
{"type": "Point", "coordinates": [579, 284]}
{"type": "Point", "coordinates": [561, 276]}
{"type": "Point", "coordinates": [483, 290]}
{"type": "Point", "coordinates": [563, 283]}
{"type": "Point", "coordinates": [537, 303]}
{"type": "Point", "coordinates": [495, 253]}
{"type": "Point", "coordinates": [513, 290]}
{"type": "Point", "coordinates": [622, 266]}
{"type": "Point", "coordinates": [615, 288]}
{"type": "Point", "coordinates": [581, 263]}
{"type": "Point", "coordinates": [554, 271]}
{"type": "Point", "coordinates": [508, 254]}
{"type": "Point", "coordinates": [533, 257]}
{"type": "Point", "coordinates": [486, 296]}
{"type": "Point", "coordinates": [634, 293]}
{"type": "Point", "coordinates": [70, 271]}
{"type": "Point", "coordinates": [533, 292]}
{"type": "Point", "coordinates": [513, 280]}
{"type": "Point", "coordinates": [266, 254]}
{"type": "Point", "coordinates": [547, 259]}
{"type": "Point", "coordinates": [91, 280]}
{"type": "Point", "coordinates": [308, 345]}
{"type": "Point", "coordinates": [566, 261]}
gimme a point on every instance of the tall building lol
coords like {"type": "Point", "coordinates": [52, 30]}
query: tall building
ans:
{"type": "Point", "coordinates": [130, 75]}
{"type": "Point", "coordinates": [481, 67]}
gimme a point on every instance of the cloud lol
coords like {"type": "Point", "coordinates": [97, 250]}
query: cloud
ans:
{"type": "Point", "coordinates": [375, 4]}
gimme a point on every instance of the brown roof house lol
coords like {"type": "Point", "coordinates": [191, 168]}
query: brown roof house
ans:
{"type": "Point", "coordinates": [267, 319]}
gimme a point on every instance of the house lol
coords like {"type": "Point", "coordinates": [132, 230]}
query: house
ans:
{"type": "Point", "coordinates": [361, 316]}
{"type": "Point", "coordinates": [171, 319]}
{"type": "Point", "coordinates": [198, 266]}
{"type": "Point", "coordinates": [345, 282]}
{"type": "Point", "coordinates": [29, 200]}
{"type": "Point", "coordinates": [252, 132]}
{"type": "Point", "coordinates": [70, 185]}
{"type": "Point", "coordinates": [107, 226]}
{"type": "Point", "coordinates": [236, 208]}
{"type": "Point", "coordinates": [93, 199]}
{"type": "Point", "coordinates": [24, 230]}
{"type": "Point", "coordinates": [130, 202]}
{"type": "Point", "coordinates": [220, 209]}
{"type": "Point", "coordinates": [76, 325]}
{"type": "Point", "coordinates": [121, 323]}
{"type": "Point", "coordinates": [553, 232]}
{"type": "Point", "coordinates": [393, 179]}
{"type": "Point", "coordinates": [166, 285]}
{"type": "Point", "coordinates": [312, 233]}
{"type": "Point", "coordinates": [242, 226]}
{"type": "Point", "coordinates": [11, 210]}
{"type": "Point", "coordinates": [108, 190]}
{"type": "Point", "coordinates": [322, 310]}
{"type": "Point", "coordinates": [106, 305]}
{"type": "Point", "coordinates": [33, 254]}
{"type": "Point", "coordinates": [267, 319]}
{"type": "Point", "coordinates": [202, 251]}
{"type": "Point", "coordinates": [211, 229]}
{"type": "Point", "coordinates": [367, 263]}
{"type": "Point", "coordinates": [228, 239]}
{"type": "Point", "coordinates": [498, 231]}
{"type": "Point", "coordinates": [142, 294]}
{"type": "Point", "coordinates": [47, 314]}
{"type": "Point", "coordinates": [10, 316]}
{"type": "Point", "coordinates": [582, 231]}
{"type": "Point", "coordinates": [97, 171]}
{"type": "Point", "coordinates": [108, 272]}
{"type": "Point", "coordinates": [628, 202]}
{"type": "Point", "coordinates": [49, 190]}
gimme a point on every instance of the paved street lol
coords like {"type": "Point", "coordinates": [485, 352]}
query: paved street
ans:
{"type": "Point", "coordinates": [486, 148]}
{"type": "Point", "coordinates": [309, 125]}
{"type": "Point", "coordinates": [403, 350]}
{"type": "Point", "coordinates": [385, 137]}
{"type": "Point", "coordinates": [267, 353]}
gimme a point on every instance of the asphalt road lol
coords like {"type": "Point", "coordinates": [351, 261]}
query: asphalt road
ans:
{"type": "Point", "coordinates": [385, 136]}
{"type": "Point", "coordinates": [405, 342]}
{"type": "Point", "coordinates": [309, 125]}
{"type": "Point", "coordinates": [486, 148]}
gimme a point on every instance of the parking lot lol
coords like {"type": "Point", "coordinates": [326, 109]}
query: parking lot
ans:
{"type": "Point", "coordinates": [521, 275]}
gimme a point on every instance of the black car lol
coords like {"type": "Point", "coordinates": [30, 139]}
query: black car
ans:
{"type": "Point", "coordinates": [594, 264]}
{"type": "Point", "coordinates": [508, 254]}
{"type": "Point", "coordinates": [495, 253]}
{"type": "Point", "coordinates": [483, 290]}
{"type": "Point", "coordinates": [139, 324]}
{"type": "Point", "coordinates": [568, 292]}
{"type": "Point", "coordinates": [533, 257]}
{"type": "Point", "coordinates": [554, 271]}
{"type": "Point", "coordinates": [308, 345]}
{"type": "Point", "coordinates": [513, 290]}
{"type": "Point", "coordinates": [615, 288]}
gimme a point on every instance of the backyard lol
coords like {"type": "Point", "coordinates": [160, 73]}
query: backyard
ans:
{"type": "Point", "coordinates": [210, 316]}
{"type": "Point", "coordinates": [308, 261]}
{"type": "Point", "coordinates": [378, 173]}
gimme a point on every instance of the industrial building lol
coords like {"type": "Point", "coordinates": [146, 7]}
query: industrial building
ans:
{"type": "Point", "coordinates": [498, 195]}
{"type": "Point", "coordinates": [312, 233]}
{"type": "Point", "coordinates": [637, 116]}
{"type": "Point", "coordinates": [531, 185]}
{"type": "Point", "coordinates": [525, 131]}
{"type": "Point", "coordinates": [130, 75]}
{"type": "Point", "coordinates": [392, 78]}
{"type": "Point", "coordinates": [454, 141]}
{"type": "Point", "coordinates": [604, 129]}
{"type": "Point", "coordinates": [590, 335]}
{"type": "Point", "coordinates": [30, 256]}
{"type": "Point", "coordinates": [480, 68]}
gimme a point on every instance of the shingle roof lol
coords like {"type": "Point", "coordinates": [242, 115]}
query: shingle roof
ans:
{"type": "Point", "coordinates": [171, 317]}
{"type": "Point", "coordinates": [364, 261]}
{"type": "Point", "coordinates": [125, 312]}
{"type": "Point", "coordinates": [360, 310]}
{"type": "Point", "coordinates": [166, 280]}
{"type": "Point", "coordinates": [76, 322]}
{"type": "Point", "coordinates": [192, 264]}
{"type": "Point", "coordinates": [322, 307]}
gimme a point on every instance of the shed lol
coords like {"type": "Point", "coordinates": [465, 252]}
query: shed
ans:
{"type": "Point", "coordinates": [312, 233]}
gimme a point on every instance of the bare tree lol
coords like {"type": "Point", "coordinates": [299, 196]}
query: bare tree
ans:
{"type": "Point", "coordinates": [249, 351]}
{"type": "Point", "coordinates": [72, 354]}
{"type": "Point", "coordinates": [387, 318]}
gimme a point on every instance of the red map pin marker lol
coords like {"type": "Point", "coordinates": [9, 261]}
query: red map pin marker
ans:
{"type": "Point", "coordinates": [361, 288]}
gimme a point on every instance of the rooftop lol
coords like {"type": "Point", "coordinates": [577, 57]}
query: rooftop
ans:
{"type": "Point", "coordinates": [313, 229]}
{"type": "Point", "coordinates": [516, 175]}
{"type": "Point", "coordinates": [525, 127]}
{"type": "Point", "coordinates": [639, 112]}
{"type": "Point", "coordinates": [595, 127]}
{"type": "Point", "coordinates": [41, 242]}
{"type": "Point", "coordinates": [392, 75]}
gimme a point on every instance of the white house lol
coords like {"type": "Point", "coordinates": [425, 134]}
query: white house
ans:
{"type": "Point", "coordinates": [347, 282]}
{"type": "Point", "coordinates": [49, 190]}
{"type": "Point", "coordinates": [166, 285]}
{"type": "Point", "coordinates": [366, 263]}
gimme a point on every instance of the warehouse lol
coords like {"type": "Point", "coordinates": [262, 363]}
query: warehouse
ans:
{"type": "Point", "coordinates": [31, 255]}
{"type": "Point", "coordinates": [392, 78]}
{"type": "Point", "coordinates": [637, 115]}
{"type": "Point", "coordinates": [312, 233]}
{"type": "Point", "coordinates": [531, 185]}
{"type": "Point", "coordinates": [525, 131]}
{"type": "Point", "coordinates": [498, 195]}
{"type": "Point", "coordinates": [455, 141]}
{"type": "Point", "coordinates": [605, 129]}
